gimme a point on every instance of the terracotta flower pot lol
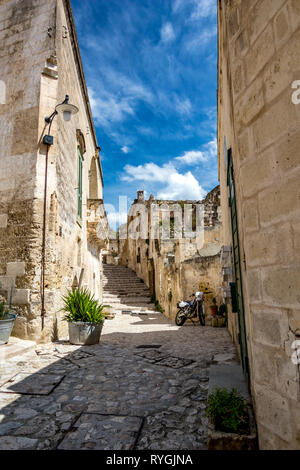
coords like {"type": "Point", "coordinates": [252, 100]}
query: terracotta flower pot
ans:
{"type": "Point", "coordinates": [213, 309]}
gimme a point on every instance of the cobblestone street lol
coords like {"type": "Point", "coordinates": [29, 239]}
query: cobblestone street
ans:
{"type": "Point", "coordinates": [143, 387]}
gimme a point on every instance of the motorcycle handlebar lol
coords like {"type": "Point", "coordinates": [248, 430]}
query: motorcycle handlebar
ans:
{"type": "Point", "coordinates": [204, 293]}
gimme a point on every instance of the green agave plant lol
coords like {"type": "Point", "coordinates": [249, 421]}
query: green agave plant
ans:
{"type": "Point", "coordinates": [80, 306]}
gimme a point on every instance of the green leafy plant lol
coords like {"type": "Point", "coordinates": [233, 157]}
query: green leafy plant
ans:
{"type": "Point", "coordinates": [158, 307]}
{"type": "Point", "coordinates": [170, 295]}
{"type": "Point", "coordinates": [3, 311]}
{"type": "Point", "coordinates": [228, 410]}
{"type": "Point", "coordinates": [80, 306]}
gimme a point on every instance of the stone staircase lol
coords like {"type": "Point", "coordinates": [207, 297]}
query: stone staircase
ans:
{"type": "Point", "coordinates": [123, 290]}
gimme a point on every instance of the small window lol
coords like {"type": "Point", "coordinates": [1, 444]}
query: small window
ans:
{"type": "Point", "coordinates": [79, 185]}
{"type": "Point", "coordinates": [138, 258]}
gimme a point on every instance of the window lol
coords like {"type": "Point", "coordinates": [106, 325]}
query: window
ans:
{"type": "Point", "coordinates": [79, 185]}
{"type": "Point", "coordinates": [138, 258]}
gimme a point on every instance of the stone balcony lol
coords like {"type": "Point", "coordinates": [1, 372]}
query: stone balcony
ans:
{"type": "Point", "coordinates": [97, 225]}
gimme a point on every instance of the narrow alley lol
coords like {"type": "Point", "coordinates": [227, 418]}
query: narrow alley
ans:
{"type": "Point", "coordinates": [143, 387]}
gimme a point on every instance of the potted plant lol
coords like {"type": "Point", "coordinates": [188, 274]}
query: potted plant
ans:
{"type": "Point", "coordinates": [85, 316]}
{"type": "Point", "coordinates": [7, 320]}
{"type": "Point", "coordinates": [214, 307]}
{"type": "Point", "coordinates": [232, 424]}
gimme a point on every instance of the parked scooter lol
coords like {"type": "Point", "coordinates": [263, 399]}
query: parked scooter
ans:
{"type": "Point", "coordinates": [191, 309]}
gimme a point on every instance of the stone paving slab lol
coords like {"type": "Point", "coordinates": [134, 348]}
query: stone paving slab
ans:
{"type": "Point", "coordinates": [228, 376]}
{"type": "Point", "coordinates": [110, 381]}
{"type": "Point", "coordinates": [15, 347]}
{"type": "Point", "coordinates": [102, 432]}
{"type": "Point", "coordinates": [31, 384]}
{"type": "Point", "coordinates": [17, 443]}
{"type": "Point", "coordinates": [175, 362]}
{"type": "Point", "coordinates": [152, 355]}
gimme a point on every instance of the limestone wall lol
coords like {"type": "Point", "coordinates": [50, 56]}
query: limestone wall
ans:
{"type": "Point", "coordinates": [259, 58]}
{"type": "Point", "coordinates": [40, 64]}
{"type": "Point", "coordinates": [175, 268]}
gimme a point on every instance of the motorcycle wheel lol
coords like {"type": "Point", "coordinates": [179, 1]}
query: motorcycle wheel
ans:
{"type": "Point", "coordinates": [201, 315]}
{"type": "Point", "coordinates": [180, 318]}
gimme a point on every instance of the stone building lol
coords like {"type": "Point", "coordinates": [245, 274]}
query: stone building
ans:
{"type": "Point", "coordinates": [39, 64]}
{"type": "Point", "coordinates": [173, 260]}
{"type": "Point", "coordinates": [259, 171]}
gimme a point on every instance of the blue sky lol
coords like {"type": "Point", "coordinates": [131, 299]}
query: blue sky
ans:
{"type": "Point", "coordinates": [151, 71]}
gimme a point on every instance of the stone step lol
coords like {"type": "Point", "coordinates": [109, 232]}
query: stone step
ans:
{"type": "Point", "coordinates": [130, 300]}
{"type": "Point", "coordinates": [124, 290]}
{"type": "Point", "coordinates": [125, 279]}
{"type": "Point", "coordinates": [121, 290]}
{"type": "Point", "coordinates": [121, 271]}
{"type": "Point", "coordinates": [115, 278]}
{"type": "Point", "coordinates": [15, 347]}
{"type": "Point", "coordinates": [118, 280]}
{"type": "Point", "coordinates": [126, 287]}
{"type": "Point", "coordinates": [121, 282]}
{"type": "Point", "coordinates": [128, 295]}
{"type": "Point", "coordinates": [123, 286]}
{"type": "Point", "coordinates": [127, 301]}
{"type": "Point", "coordinates": [131, 305]}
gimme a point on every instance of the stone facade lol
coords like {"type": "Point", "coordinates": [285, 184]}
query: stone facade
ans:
{"type": "Point", "coordinates": [39, 64]}
{"type": "Point", "coordinates": [258, 125]}
{"type": "Point", "coordinates": [174, 265]}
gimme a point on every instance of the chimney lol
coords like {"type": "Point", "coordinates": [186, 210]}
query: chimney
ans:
{"type": "Point", "coordinates": [140, 196]}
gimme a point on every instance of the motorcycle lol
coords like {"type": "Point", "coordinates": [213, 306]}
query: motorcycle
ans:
{"type": "Point", "coordinates": [187, 310]}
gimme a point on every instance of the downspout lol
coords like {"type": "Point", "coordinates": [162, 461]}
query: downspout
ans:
{"type": "Point", "coordinates": [43, 261]}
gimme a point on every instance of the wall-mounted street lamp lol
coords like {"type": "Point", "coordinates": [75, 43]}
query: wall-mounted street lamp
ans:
{"type": "Point", "coordinates": [67, 110]}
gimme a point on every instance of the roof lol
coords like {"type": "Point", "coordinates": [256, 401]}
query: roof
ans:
{"type": "Point", "coordinates": [77, 56]}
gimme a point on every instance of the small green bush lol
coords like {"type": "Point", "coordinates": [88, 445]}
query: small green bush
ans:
{"type": "Point", "coordinates": [228, 410]}
{"type": "Point", "coordinates": [80, 306]}
{"type": "Point", "coordinates": [3, 311]}
{"type": "Point", "coordinates": [158, 307]}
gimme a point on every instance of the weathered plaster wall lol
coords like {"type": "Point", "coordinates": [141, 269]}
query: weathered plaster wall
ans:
{"type": "Point", "coordinates": [40, 64]}
{"type": "Point", "coordinates": [259, 58]}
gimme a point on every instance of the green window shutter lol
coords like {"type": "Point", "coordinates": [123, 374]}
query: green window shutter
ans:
{"type": "Point", "coordinates": [79, 186]}
{"type": "Point", "coordinates": [237, 287]}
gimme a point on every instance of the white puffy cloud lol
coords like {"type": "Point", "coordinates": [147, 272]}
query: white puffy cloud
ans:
{"type": "Point", "coordinates": [203, 9]}
{"type": "Point", "coordinates": [181, 186]}
{"type": "Point", "coordinates": [174, 185]}
{"type": "Point", "coordinates": [167, 180]}
{"type": "Point", "coordinates": [197, 156]}
{"type": "Point", "coordinates": [167, 33]}
{"type": "Point", "coordinates": [200, 8]}
{"type": "Point", "coordinates": [148, 172]}
{"type": "Point", "coordinates": [125, 149]}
